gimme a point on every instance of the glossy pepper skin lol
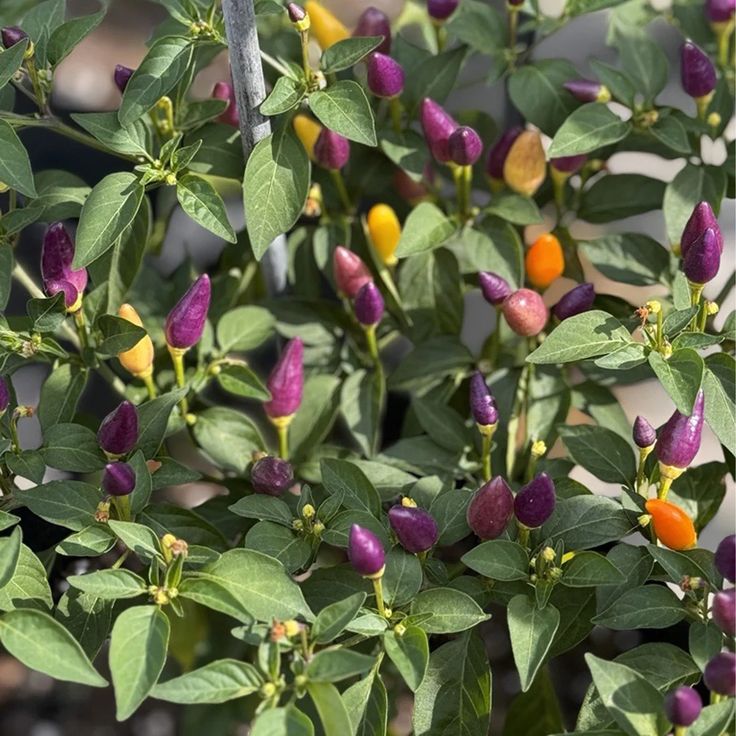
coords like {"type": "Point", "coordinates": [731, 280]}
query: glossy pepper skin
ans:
{"type": "Point", "coordinates": [720, 11]}
{"type": "Point", "coordinates": [499, 150]}
{"type": "Point", "coordinates": [441, 9]}
{"type": "Point", "coordinates": [57, 254]}
{"type": "Point", "coordinates": [525, 312]}
{"type": "Point", "coordinates": [368, 305]}
{"type": "Point", "coordinates": [138, 360]}
{"type": "Point", "coordinates": [587, 90]}
{"type": "Point", "coordinates": [525, 166]}
{"type": "Point", "coordinates": [703, 258]}
{"type": "Point", "coordinates": [118, 479]}
{"type": "Point", "coordinates": [464, 146]}
{"type": "Point", "coordinates": [384, 230]}
{"type": "Point", "coordinates": [720, 674]}
{"type": "Point", "coordinates": [569, 164]}
{"type": "Point", "coordinates": [350, 271]}
{"type": "Point", "coordinates": [286, 382]}
{"type": "Point", "coordinates": [725, 559]}
{"type": "Point", "coordinates": [415, 528]}
{"type": "Point", "coordinates": [495, 288]}
{"type": "Point", "coordinates": [118, 431]}
{"type": "Point", "coordinates": [331, 150]}
{"type": "Point", "coordinates": [644, 434]}
{"type": "Point", "coordinates": [697, 73]}
{"type": "Point", "coordinates": [490, 509]}
{"type": "Point", "coordinates": [374, 22]}
{"type": "Point", "coordinates": [437, 125]}
{"type": "Point", "coordinates": [482, 404]}
{"type": "Point", "coordinates": [385, 76]}
{"type": "Point", "coordinates": [271, 476]}
{"type": "Point", "coordinates": [673, 527]}
{"type": "Point", "coordinates": [4, 395]}
{"type": "Point", "coordinates": [578, 300]}
{"type": "Point", "coordinates": [701, 219]}
{"type": "Point", "coordinates": [535, 502]}
{"type": "Point", "coordinates": [324, 26]}
{"type": "Point", "coordinates": [11, 35]}
{"type": "Point", "coordinates": [229, 116]}
{"type": "Point", "coordinates": [679, 439]}
{"type": "Point", "coordinates": [186, 321]}
{"type": "Point", "coordinates": [307, 131]}
{"type": "Point", "coordinates": [121, 76]}
{"type": "Point", "coordinates": [544, 261]}
{"type": "Point", "coordinates": [365, 552]}
{"type": "Point", "coordinates": [682, 706]}
{"type": "Point", "coordinates": [723, 610]}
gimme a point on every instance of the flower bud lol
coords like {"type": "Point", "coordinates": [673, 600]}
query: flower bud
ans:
{"type": "Point", "coordinates": [679, 439]}
{"type": "Point", "coordinates": [544, 261]}
{"type": "Point", "coordinates": [720, 11]}
{"type": "Point", "coordinates": [57, 254]}
{"type": "Point", "coordinates": [703, 258]}
{"type": "Point", "coordinates": [441, 9]}
{"type": "Point", "coordinates": [271, 476]}
{"type": "Point", "coordinates": [298, 16]}
{"type": "Point", "coordinates": [682, 706]}
{"type": "Point", "coordinates": [374, 22]}
{"type": "Point", "coordinates": [538, 449]}
{"type": "Point", "coordinates": [464, 146]}
{"type": "Point", "coordinates": [138, 360]}
{"type": "Point", "coordinates": [121, 76]}
{"type": "Point", "coordinates": [490, 509]}
{"type": "Point", "coordinates": [720, 674]}
{"type": "Point", "coordinates": [325, 27]}
{"type": "Point", "coordinates": [576, 301]}
{"type": "Point", "coordinates": [495, 288]}
{"type": "Point", "coordinates": [12, 35]}
{"type": "Point", "coordinates": [286, 382]}
{"type": "Point", "coordinates": [482, 404]}
{"type": "Point", "coordinates": [385, 76]}
{"type": "Point", "coordinates": [384, 230]}
{"type": "Point", "coordinates": [644, 434]}
{"type": "Point", "coordinates": [701, 219]}
{"type": "Point", "coordinates": [368, 305]}
{"type": "Point", "coordinates": [437, 125]}
{"type": "Point", "coordinates": [725, 559]}
{"type": "Point", "coordinates": [185, 322]}
{"type": "Point", "coordinates": [307, 131]}
{"type": "Point", "coordinates": [4, 395]}
{"type": "Point", "coordinates": [499, 150]}
{"type": "Point", "coordinates": [118, 431]}
{"type": "Point", "coordinates": [412, 191]}
{"type": "Point", "coordinates": [225, 91]}
{"type": "Point", "coordinates": [415, 528]}
{"type": "Point", "coordinates": [525, 166]}
{"type": "Point", "coordinates": [672, 526]}
{"type": "Point", "coordinates": [118, 479]}
{"type": "Point", "coordinates": [535, 502]}
{"type": "Point", "coordinates": [569, 164]}
{"type": "Point", "coordinates": [723, 611]}
{"type": "Point", "coordinates": [331, 150]}
{"type": "Point", "coordinates": [697, 72]}
{"type": "Point", "coordinates": [586, 90]}
{"type": "Point", "coordinates": [349, 271]}
{"type": "Point", "coordinates": [365, 552]}
{"type": "Point", "coordinates": [525, 312]}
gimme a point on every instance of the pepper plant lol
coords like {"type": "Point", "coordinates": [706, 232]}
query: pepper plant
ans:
{"type": "Point", "coordinates": [375, 488]}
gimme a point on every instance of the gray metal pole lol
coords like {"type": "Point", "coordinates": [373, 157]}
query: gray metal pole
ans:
{"type": "Point", "coordinates": [250, 91]}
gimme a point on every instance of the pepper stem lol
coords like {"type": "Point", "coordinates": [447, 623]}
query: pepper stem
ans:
{"type": "Point", "coordinates": [463, 176]}
{"type": "Point", "coordinates": [396, 110]}
{"type": "Point", "coordinates": [513, 12]}
{"type": "Point", "coordinates": [643, 455]}
{"type": "Point", "coordinates": [283, 433]}
{"type": "Point", "coordinates": [339, 182]}
{"type": "Point", "coordinates": [304, 38]}
{"type": "Point", "coordinates": [723, 33]}
{"type": "Point", "coordinates": [81, 326]}
{"type": "Point", "coordinates": [150, 385]}
{"type": "Point", "coordinates": [702, 104]}
{"type": "Point", "coordinates": [486, 456]}
{"type": "Point", "coordinates": [177, 358]}
{"type": "Point", "coordinates": [372, 343]}
{"type": "Point", "coordinates": [523, 537]}
{"type": "Point", "coordinates": [664, 488]}
{"type": "Point", "coordinates": [441, 37]}
{"type": "Point", "coordinates": [696, 292]}
{"type": "Point", "coordinates": [122, 506]}
{"type": "Point", "coordinates": [680, 730]}
{"type": "Point", "coordinates": [378, 590]}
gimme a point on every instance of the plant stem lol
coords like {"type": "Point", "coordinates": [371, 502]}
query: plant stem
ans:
{"type": "Point", "coordinates": [440, 35]}
{"type": "Point", "coordinates": [372, 343]}
{"type": "Point", "coordinates": [513, 13]}
{"type": "Point", "coordinates": [643, 455]}
{"type": "Point", "coordinates": [696, 292]}
{"type": "Point", "coordinates": [523, 537]}
{"type": "Point", "coordinates": [13, 424]}
{"type": "Point", "coordinates": [177, 358]}
{"type": "Point", "coordinates": [339, 182]}
{"type": "Point", "coordinates": [283, 434]}
{"type": "Point", "coordinates": [378, 590]}
{"type": "Point", "coordinates": [304, 38]}
{"type": "Point", "coordinates": [486, 456]}
{"type": "Point", "coordinates": [150, 386]}
{"type": "Point", "coordinates": [120, 560]}
{"type": "Point", "coordinates": [462, 187]}
{"type": "Point", "coordinates": [660, 331]}
{"type": "Point", "coordinates": [396, 110]}
{"type": "Point", "coordinates": [81, 325]}
{"type": "Point", "coordinates": [664, 488]}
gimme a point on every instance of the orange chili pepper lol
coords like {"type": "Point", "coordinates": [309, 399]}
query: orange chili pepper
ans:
{"type": "Point", "coordinates": [673, 527]}
{"type": "Point", "coordinates": [307, 131]}
{"type": "Point", "coordinates": [325, 27]}
{"type": "Point", "coordinates": [138, 360]}
{"type": "Point", "coordinates": [385, 231]}
{"type": "Point", "coordinates": [544, 261]}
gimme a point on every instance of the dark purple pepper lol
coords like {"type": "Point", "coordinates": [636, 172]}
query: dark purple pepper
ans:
{"type": "Point", "coordinates": [118, 479]}
{"type": "Point", "coordinates": [57, 254]}
{"type": "Point", "coordinates": [723, 610]}
{"type": "Point", "coordinates": [185, 322]}
{"type": "Point", "coordinates": [415, 528]}
{"type": "Point", "coordinates": [4, 395]}
{"type": "Point", "coordinates": [720, 674]}
{"type": "Point", "coordinates": [490, 509]}
{"type": "Point", "coordinates": [286, 382]}
{"type": "Point", "coordinates": [296, 12]}
{"type": "Point", "coordinates": [374, 22]}
{"type": "Point", "coordinates": [499, 150]}
{"type": "Point", "coordinates": [697, 72]}
{"type": "Point", "coordinates": [569, 164]}
{"type": "Point", "coordinates": [368, 305]}
{"type": "Point", "coordinates": [587, 90]}
{"type": "Point", "coordinates": [11, 35]}
{"type": "Point", "coordinates": [576, 301]}
{"type": "Point", "coordinates": [331, 150]}
{"type": "Point", "coordinates": [644, 434]}
{"type": "Point", "coordinates": [385, 76]}
{"type": "Point", "coordinates": [703, 258]}
{"type": "Point", "coordinates": [464, 146]}
{"type": "Point", "coordinates": [441, 9]}
{"type": "Point", "coordinates": [365, 551]}
{"type": "Point", "coordinates": [525, 312]}
{"type": "Point", "coordinates": [535, 502]}
{"type": "Point", "coordinates": [121, 76]}
{"type": "Point", "coordinates": [229, 116]}
{"type": "Point", "coordinates": [118, 431]}
{"type": "Point", "coordinates": [725, 558]}
{"type": "Point", "coordinates": [682, 706]}
{"type": "Point", "coordinates": [679, 438]}
{"type": "Point", "coordinates": [495, 288]}
{"type": "Point", "coordinates": [482, 404]}
{"type": "Point", "coordinates": [438, 125]}
{"type": "Point", "coordinates": [700, 220]}
{"type": "Point", "coordinates": [720, 11]}
{"type": "Point", "coordinates": [272, 476]}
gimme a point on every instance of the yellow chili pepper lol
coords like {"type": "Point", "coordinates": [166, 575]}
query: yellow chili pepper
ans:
{"type": "Point", "coordinates": [139, 359]}
{"type": "Point", "coordinates": [325, 27]}
{"type": "Point", "coordinates": [525, 168]}
{"type": "Point", "coordinates": [307, 131]}
{"type": "Point", "coordinates": [384, 229]}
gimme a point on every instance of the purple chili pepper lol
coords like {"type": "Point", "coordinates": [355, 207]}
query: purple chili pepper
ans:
{"type": "Point", "coordinates": [525, 312]}
{"type": "Point", "coordinates": [385, 76]}
{"type": "Point", "coordinates": [438, 125]}
{"type": "Point", "coordinates": [271, 476]}
{"type": "Point", "coordinates": [682, 706]}
{"type": "Point", "coordinates": [576, 301]}
{"type": "Point", "coordinates": [569, 164]}
{"type": "Point", "coordinates": [118, 431]}
{"type": "Point", "coordinates": [415, 528]}
{"type": "Point", "coordinates": [723, 611]}
{"type": "Point", "coordinates": [368, 305]}
{"type": "Point", "coordinates": [121, 76]}
{"type": "Point", "coordinates": [697, 72]}
{"type": "Point", "coordinates": [365, 551]}
{"type": "Point", "coordinates": [587, 90]}
{"type": "Point", "coordinates": [331, 150]}
{"type": "Point", "coordinates": [701, 219]}
{"type": "Point", "coordinates": [725, 558]}
{"type": "Point", "coordinates": [482, 404]}
{"type": "Point", "coordinates": [495, 288]}
{"type": "Point", "coordinates": [57, 254]}
{"type": "Point", "coordinates": [118, 479]}
{"type": "Point", "coordinates": [679, 438]}
{"type": "Point", "coordinates": [464, 146]}
{"type": "Point", "coordinates": [350, 271]}
{"type": "Point", "coordinates": [296, 13]}
{"type": "Point", "coordinates": [286, 382]}
{"type": "Point", "coordinates": [229, 116]}
{"type": "Point", "coordinates": [703, 258]}
{"type": "Point", "coordinates": [644, 434]}
{"type": "Point", "coordinates": [499, 150]}
{"type": "Point", "coordinates": [185, 322]}
{"type": "Point", "coordinates": [535, 502]}
{"type": "Point", "coordinates": [490, 509]}
{"type": "Point", "coordinates": [720, 11]}
{"type": "Point", "coordinates": [374, 22]}
{"type": "Point", "coordinates": [11, 35]}
{"type": "Point", "coordinates": [441, 9]}
{"type": "Point", "coordinates": [720, 674]}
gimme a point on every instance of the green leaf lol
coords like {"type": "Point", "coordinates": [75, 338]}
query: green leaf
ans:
{"type": "Point", "coordinates": [714, 720]}
{"type": "Point", "coordinates": [346, 480]}
{"type": "Point", "coordinates": [332, 620]}
{"type": "Point", "coordinates": [402, 578]}
{"type": "Point", "coordinates": [200, 200]}
{"type": "Point", "coordinates": [410, 653]}
{"type": "Point", "coordinates": [426, 228]}
{"type": "Point", "coordinates": [259, 506]}
{"type": "Point", "coordinates": [211, 594]}
{"type": "Point", "coordinates": [316, 414]}
{"type": "Point", "coordinates": [28, 587]}
{"type": "Point", "coordinates": [110, 584]}
{"type": "Point", "coordinates": [436, 357]}
{"type": "Point", "coordinates": [153, 418]}
{"type": "Point", "coordinates": [161, 69]}
{"type": "Point", "coordinates": [515, 208]}
{"type": "Point", "coordinates": [228, 437]}
{"type": "Point", "coordinates": [333, 665]}
{"type": "Point", "coordinates": [10, 60]}
{"type": "Point", "coordinates": [138, 645]}
{"type": "Point", "coordinates": [117, 334]}
{"type": "Point", "coordinates": [361, 406]}
{"type": "Point", "coordinates": [583, 522]}
{"type": "Point", "coordinates": [432, 76]}
{"type": "Point", "coordinates": [671, 132]}
{"type": "Point", "coordinates": [15, 166]}
{"type": "Point", "coordinates": [110, 208]}
{"type": "Point", "coordinates": [43, 644]}
{"type": "Point", "coordinates": [72, 447]}
{"type": "Point", "coordinates": [60, 394]}
{"type": "Point", "coordinates": [645, 63]}
{"type": "Point", "coordinates": [87, 618]}
{"type": "Point", "coordinates": [590, 127]}
{"type": "Point", "coordinates": [346, 53]}
{"type": "Point", "coordinates": [451, 610]}
{"type": "Point", "coordinates": [535, 712]}
{"type": "Point", "coordinates": [216, 682]}
{"type": "Point", "coordinates": [442, 423]}
{"type": "Point", "coordinates": [478, 25]}
{"type": "Point", "coordinates": [705, 640]}
{"type": "Point", "coordinates": [590, 569]}
{"type": "Point", "coordinates": [137, 538]}
{"type": "Point", "coordinates": [499, 559]}
{"type": "Point", "coordinates": [367, 705]}
{"type": "Point", "coordinates": [129, 140]}
{"type": "Point", "coordinates": [6, 521]}
{"type": "Point", "coordinates": [719, 388]}
{"type": "Point", "coordinates": [48, 314]}
{"type": "Point", "coordinates": [619, 83]}
{"type": "Point", "coordinates": [645, 607]}
{"type": "Point", "coordinates": [615, 196]}
{"type": "Point", "coordinates": [275, 187]}
{"type": "Point", "coordinates": [600, 451]}
{"type": "Point", "coordinates": [10, 555]}
{"type": "Point", "coordinates": [700, 491]}
{"type": "Point", "coordinates": [681, 375]}
{"type": "Point", "coordinates": [449, 510]}
{"type": "Point", "coordinates": [239, 380]}
{"type": "Point", "coordinates": [244, 328]}
{"type": "Point", "coordinates": [70, 503]}
{"type": "Point", "coordinates": [92, 541]}
{"type": "Point", "coordinates": [286, 95]}
{"type": "Point", "coordinates": [694, 563]}
{"type": "Point", "coordinates": [331, 708]}
{"type": "Point", "coordinates": [344, 108]}
{"type": "Point", "coordinates": [66, 36]}
{"type": "Point", "coordinates": [282, 721]}
{"type": "Point", "coordinates": [275, 540]}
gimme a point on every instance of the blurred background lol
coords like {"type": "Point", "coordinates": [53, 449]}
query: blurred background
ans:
{"type": "Point", "coordinates": [33, 705]}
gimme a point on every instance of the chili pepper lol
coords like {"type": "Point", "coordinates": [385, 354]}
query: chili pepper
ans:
{"type": "Point", "coordinates": [495, 288]}
{"type": "Point", "coordinates": [325, 27]}
{"type": "Point", "coordinates": [298, 16]}
{"type": "Point", "coordinates": [697, 72]}
{"type": "Point", "coordinates": [703, 258]}
{"type": "Point", "coordinates": [644, 434]}
{"type": "Point", "coordinates": [4, 395]}
{"type": "Point", "coordinates": [490, 509]}
{"type": "Point", "coordinates": [385, 76]}
{"type": "Point", "coordinates": [349, 271]}
{"type": "Point", "coordinates": [535, 502]}
{"type": "Point", "coordinates": [118, 479]}
{"type": "Point", "coordinates": [568, 164]}
{"type": "Point", "coordinates": [482, 404]}
{"type": "Point", "coordinates": [137, 360]}
{"type": "Point", "coordinates": [368, 305]}
{"type": "Point", "coordinates": [415, 528]}
{"type": "Point", "coordinates": [720, 11]}
{"type": "Point", "coordinates": [673, 527]}
{"type": "Point", "coordinates": [384, 230]}
{"type": "Point", "coordinates": [307, 131]}
{"type": "Point", "coordinates": [12, 35]}
{"type": "Point", "coordinates": [586, 90]}
{"type": "Point", "coordinates": [723, 611]}
{"type": "Point", "coordinates": [725, 558]}
{"type": "Point", "coordinates": [229, 116]}
{"type": "Point", "coordinates": [410, 190]}
{"type": "Point", "coordinates": [682, 706]}
{"type": "Point", "coordinates": [441, 9]}
{"type": "Point", "coordinates": [701, 219]}
{"type": "Point", "coordinates": [121, 76]}
{"type": "Point", "coordinates": [464, 146]}
{"type": "Point", "coordinates": [186, 321]}
{"type": "Point", "coordinates": [525, 312]}
{"type": "Point", "coordinates": [331, 150]}
{"type": "Point", "coordinates": [498, 152]}
{"type": "Point", "coordinates": [578, 300]}
{"type": "Point", "coordinates": [118, 431]}
{"type": "Point", "coordinates": [271, 476]}
{"type": "Point", "coordinates": [544, 261]}
{"type": "Point", "coordinates": [720, 674]}
{"type": "Point", "coordinates": [365, 552]}
{"type": "Point", "coordinates": [374, 22]}
{"type": "Point", "coordinates": [438, 125]}
{"type": "Point", "coordinates": [286, 382]}
{"type": "Point", "coordinates": [57, 254]}
{"type": "Point", "coordinates": [525, 166]}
